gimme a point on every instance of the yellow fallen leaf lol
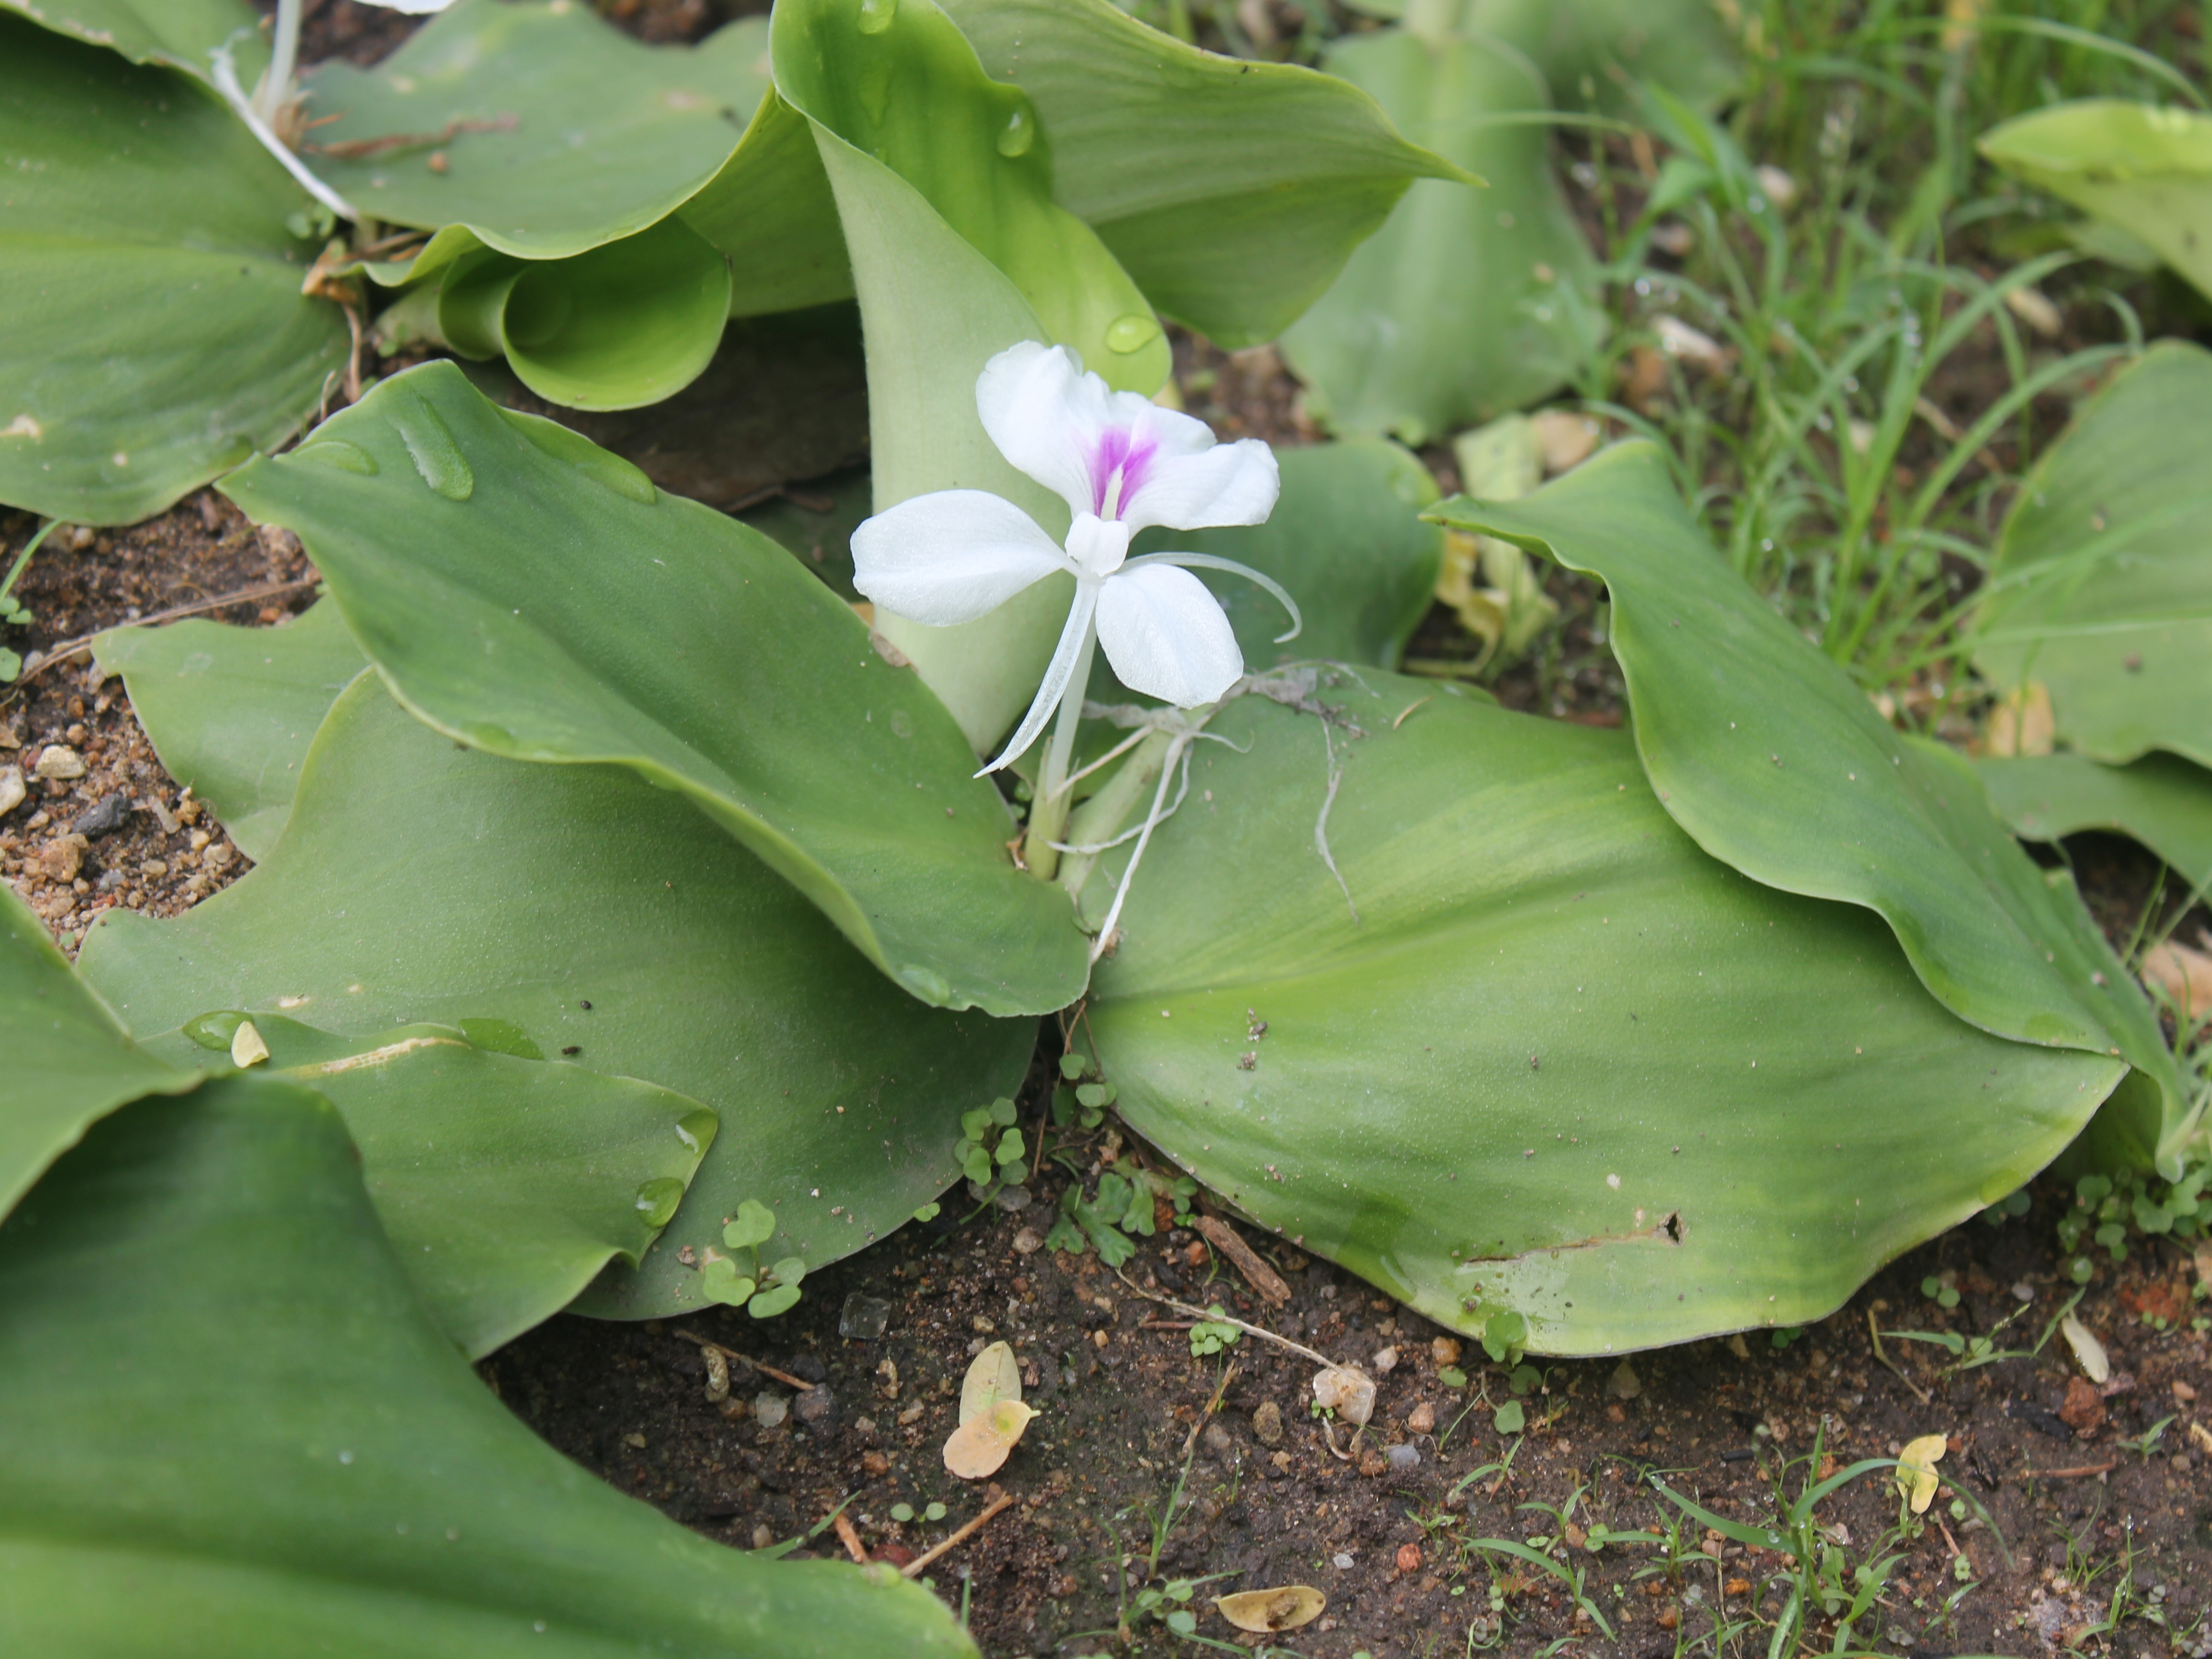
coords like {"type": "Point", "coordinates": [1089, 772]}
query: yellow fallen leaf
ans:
{"type": "Point", "coordinates": [994, 1376]}
{"type": "Point", "coordinates": [1271, 1610]}
{"type": "Point", "coordinates": [2023, 723]}
{"type": "Point", "coordinates": [2183, 973]}
{"type": "Point", "coordinates": [981, 1446]}
{"type": "Point", "coordinates": [246, 1046]}
{"type": "Point", "coordinates": [2088, 1352]}
{"type": "Point", "coordinates": [1916, 1469]}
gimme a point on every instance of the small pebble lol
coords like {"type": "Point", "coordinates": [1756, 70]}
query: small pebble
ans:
{"type": "Point", "coordinates": [717, 1375]}
{"type": "Point", "coordinates": [1422, 1420]}
{"type": "Point", "coordinates": [816, 1409]}
{"type": "Point", "coordinates": [1409, 1557]}
{"type": "Point", "coordinates": [634, 1442]}
{"type": "Point", "coordinates": [1268, 1423]}
{"type": "Point", "coordinates": [1402, 1458]}
{"type": "Point", "coordinates": [1445, 1351]}
{"type": "Point", "coordinates": [58, 762]}
{"type": "Point", "coordinates": [12, 789]}
{"type": "Point", "coordinates": [1624, 1384]}
{"type": "Point", "coordinates": [103, 817]}
{"type": "Point", "coordinates": [1029, 1240]}
{"type": "Point", "coordinates": [1385, 1361]}
{"type": "Point", "coordinates": [1341, 1561]}
{"type": "Point", "coordinates": [1012, 1199]}
{"type": "Point", "coordinates": [763, 1537]}
{"type": "Point", "coordinates": [1217, 1440]}
{"type": "Point", "coordinates": [769, 1408]}
{"type": "Point", "coordinates": [876, 1463]}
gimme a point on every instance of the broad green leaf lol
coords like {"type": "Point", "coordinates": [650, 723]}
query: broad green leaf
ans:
{"type": "Point", "coordinates": [528, 594]}
{"type": "Point", "coordinates": [419, 882]}
{"type": "Point", "coordinates": [2141, 168]}
{"type": "Point", "coordinates": [936, 310]}
{"type": "Point", "coordinates": [178, 33]}
{"type": "Point", "coordinates": [2162, 801]}
{"type": "Point", "coordinates": [1230, 191]}
{"type": "Point", "coordinates": [68, 1062]}
{"type": "Point", "coordinates": [621, 325]}
{"type": "Point", "coordinates": [1773, 759]}
{"type": "Point", "coordinates": [1347, 540]}
{"type": "Point", "coordinates": [231, 711]}
{"type": "Point", "coordinates": [556, 132]}
{"type": "Point", "coordinates": [1468, 302]}
{"type": "Point", "coordinates": [156, 334]}
{"type": "Point", "coordinates": [770, 212]}
{"type": "Point", "coordinates": [2101, 587]}
{"type": "Point", "coordinates": [505, 1184]}
{"type": "Point", "coordinates": [1594, 52]}
{"type": "Point", "coordinates": [232, 1434]}
{"type": "Point", "coordinates": [901, 83]}
{"type": "Point", "coordinates": [1562, 1065]}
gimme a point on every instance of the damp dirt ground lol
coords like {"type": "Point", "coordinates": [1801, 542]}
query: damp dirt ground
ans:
{"type": "Point", "coordinates": [2089, 1527]}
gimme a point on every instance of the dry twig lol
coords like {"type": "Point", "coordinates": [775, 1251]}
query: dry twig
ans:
{"type": "Point", "coordinates": [1261, 1277]}
{"type": "Point", "coordinates": [784, 1377]}
{"type": "Point", "coordinates": [999, 1500]}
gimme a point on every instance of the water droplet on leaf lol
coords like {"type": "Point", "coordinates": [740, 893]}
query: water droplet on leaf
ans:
{"type": "Point", "coordinates": [430, 445]}
{"type": "Point", "coordinates": [1132, 333]}
{"type": "Point", "coordinates": [657, 1201]}
{"type": "Point", "coordinates": [1019, 133]}
{"type": "Point", "coordinates": [338, 453]}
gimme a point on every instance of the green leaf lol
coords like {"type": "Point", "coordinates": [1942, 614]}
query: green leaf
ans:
{"type": "Point", "coordinates": [2100, 590]}
{"type": "Point", "coordinates": [754, 1225]}
{"type": "Point", "coordinates": [474, 566]}
{"type": "Point", "coordinates": [2144, 169]}
{"type": "Point", "coordinates": [621, 325]}
{"type": "Point", "coordinates": [156, 333]}
{"type": "Point", "coordinates": [1001, 1111]}
{"type": "Point", "coordinates": [789, 1271]}
{"type": "Point", "coordinates": [936, 310]}
{"type": "Point", "coordinates": [1510, 1417]}
{"type": "Point", "coordinates": [1468, 302]}
{"type": "Point", "coordinates": [975, 1164]}
{"type": "Point", "coordinates": [902, 85]}
{"type": "Point", "coordinates": [1231, 191]}
{"type": "Point", "coordinates": [1634, 996]}
{"type": "Point", "coordinates": [68, 1062]}
{"type": "Point", "coordinates": [231, 711]}
{"type": "Point", "coordinates": [557, 132]}
{"type": "Point", "coordinates": [719, 1281]}
{"type": "Point", "coordinates": [521, 893]}
{"type": "Point", "coordinates": [251, 1422]}
{"type": "Point", "coordinates": [2162, 801]}
{"type": "Point", "coordinates": [1766, 751]}
{"type": "Point", "coordinates": [1347, 540]}
{"type": "Point", "coordinates": [505, 1184]}
{"type": "Point", "coordinates": [780, 1298]}
{"type": "Point", "coordinates": [1010, 1149]}
{"type": "Point", "coordinates": [178, 33]}
{"type": "Point", "coordinates": [1594, 52]}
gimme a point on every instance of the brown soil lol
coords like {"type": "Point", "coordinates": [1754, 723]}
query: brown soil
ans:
{"type": "Point", "coordinates": [2087, 1530]}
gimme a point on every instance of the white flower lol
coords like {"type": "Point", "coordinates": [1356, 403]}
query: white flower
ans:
{"type": "Point", "coordinates": [1123, 464]}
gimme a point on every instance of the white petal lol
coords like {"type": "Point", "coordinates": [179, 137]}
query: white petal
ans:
{"type": "Point", "coordinates": [1066, 656]}
{"type": "Point", "coordinates": [950, 556]}
{"type": "Point", "coordinates": [1166, 637]}
{"type": "Point", "coordinates": [1226, 484]}
{"type": "Point", "coordinates": [1045, 415]}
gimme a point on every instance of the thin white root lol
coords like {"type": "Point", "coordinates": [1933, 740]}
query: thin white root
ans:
{"type": "Point", "coordinates": [1321, 823]}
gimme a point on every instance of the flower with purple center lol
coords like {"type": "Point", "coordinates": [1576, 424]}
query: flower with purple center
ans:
{"type": "Point", "coordinates": [1123, 464]}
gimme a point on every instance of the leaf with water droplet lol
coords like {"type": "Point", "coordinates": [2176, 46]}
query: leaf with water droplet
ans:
{"type": "Point", "coordinates": [438, 460]}
{"type": "Point", "coordinates": [500, 1036]}
{"type": "Point", "coordinates": [573, 449]}
{"type": "Point", "coordinates": [247, 1047]}
{"type": "Point", "coordinates": [338, 453]}
{"type": "Point", "coordinates": [1020, 132]}
{"type": "Point", "coordinates": [214, 1030]}
{"type": "Point", "coordinates": [657, 1201]}
{"type": "Point", "coordinates": [877, 15]}
{"type": "Point", "coordinates": [1132, 333]}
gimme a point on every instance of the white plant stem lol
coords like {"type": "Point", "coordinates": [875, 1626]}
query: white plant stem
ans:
{"type": "Point", "coordinates": [225, 74]}
{"type": "Point", "coordinates": [1055, 788]}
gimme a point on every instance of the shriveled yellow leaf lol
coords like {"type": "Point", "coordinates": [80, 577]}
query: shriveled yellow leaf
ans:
{"type": "Point", "coordinates": [993, 1376]}
{"type": "Point", "coordinates": [2183, 973]}
{"type": "Point", "coordinates": [2088, 1352]}
{"type": "Point", "coordinates": [980, 1446]}
{"type": "Point", "coordinates": [246, 1046]}
{"type": "Point", "coordinates": [1268, 1611]}
{"type": "Point", "coordinates": [1916, 1472]}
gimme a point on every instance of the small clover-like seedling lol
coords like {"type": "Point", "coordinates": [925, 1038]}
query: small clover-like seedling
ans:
{"type": "Point", "coordinates": [737, 1279]}
{"type": "Point", "coordinates": [1505, 1337]}
{"type": "Point", "coordinates": [1943, 1295]}
{"type": "Point", "coordinates": [1211, 1336]}
{"type": "Point", "coordinates": [990, 1145]}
